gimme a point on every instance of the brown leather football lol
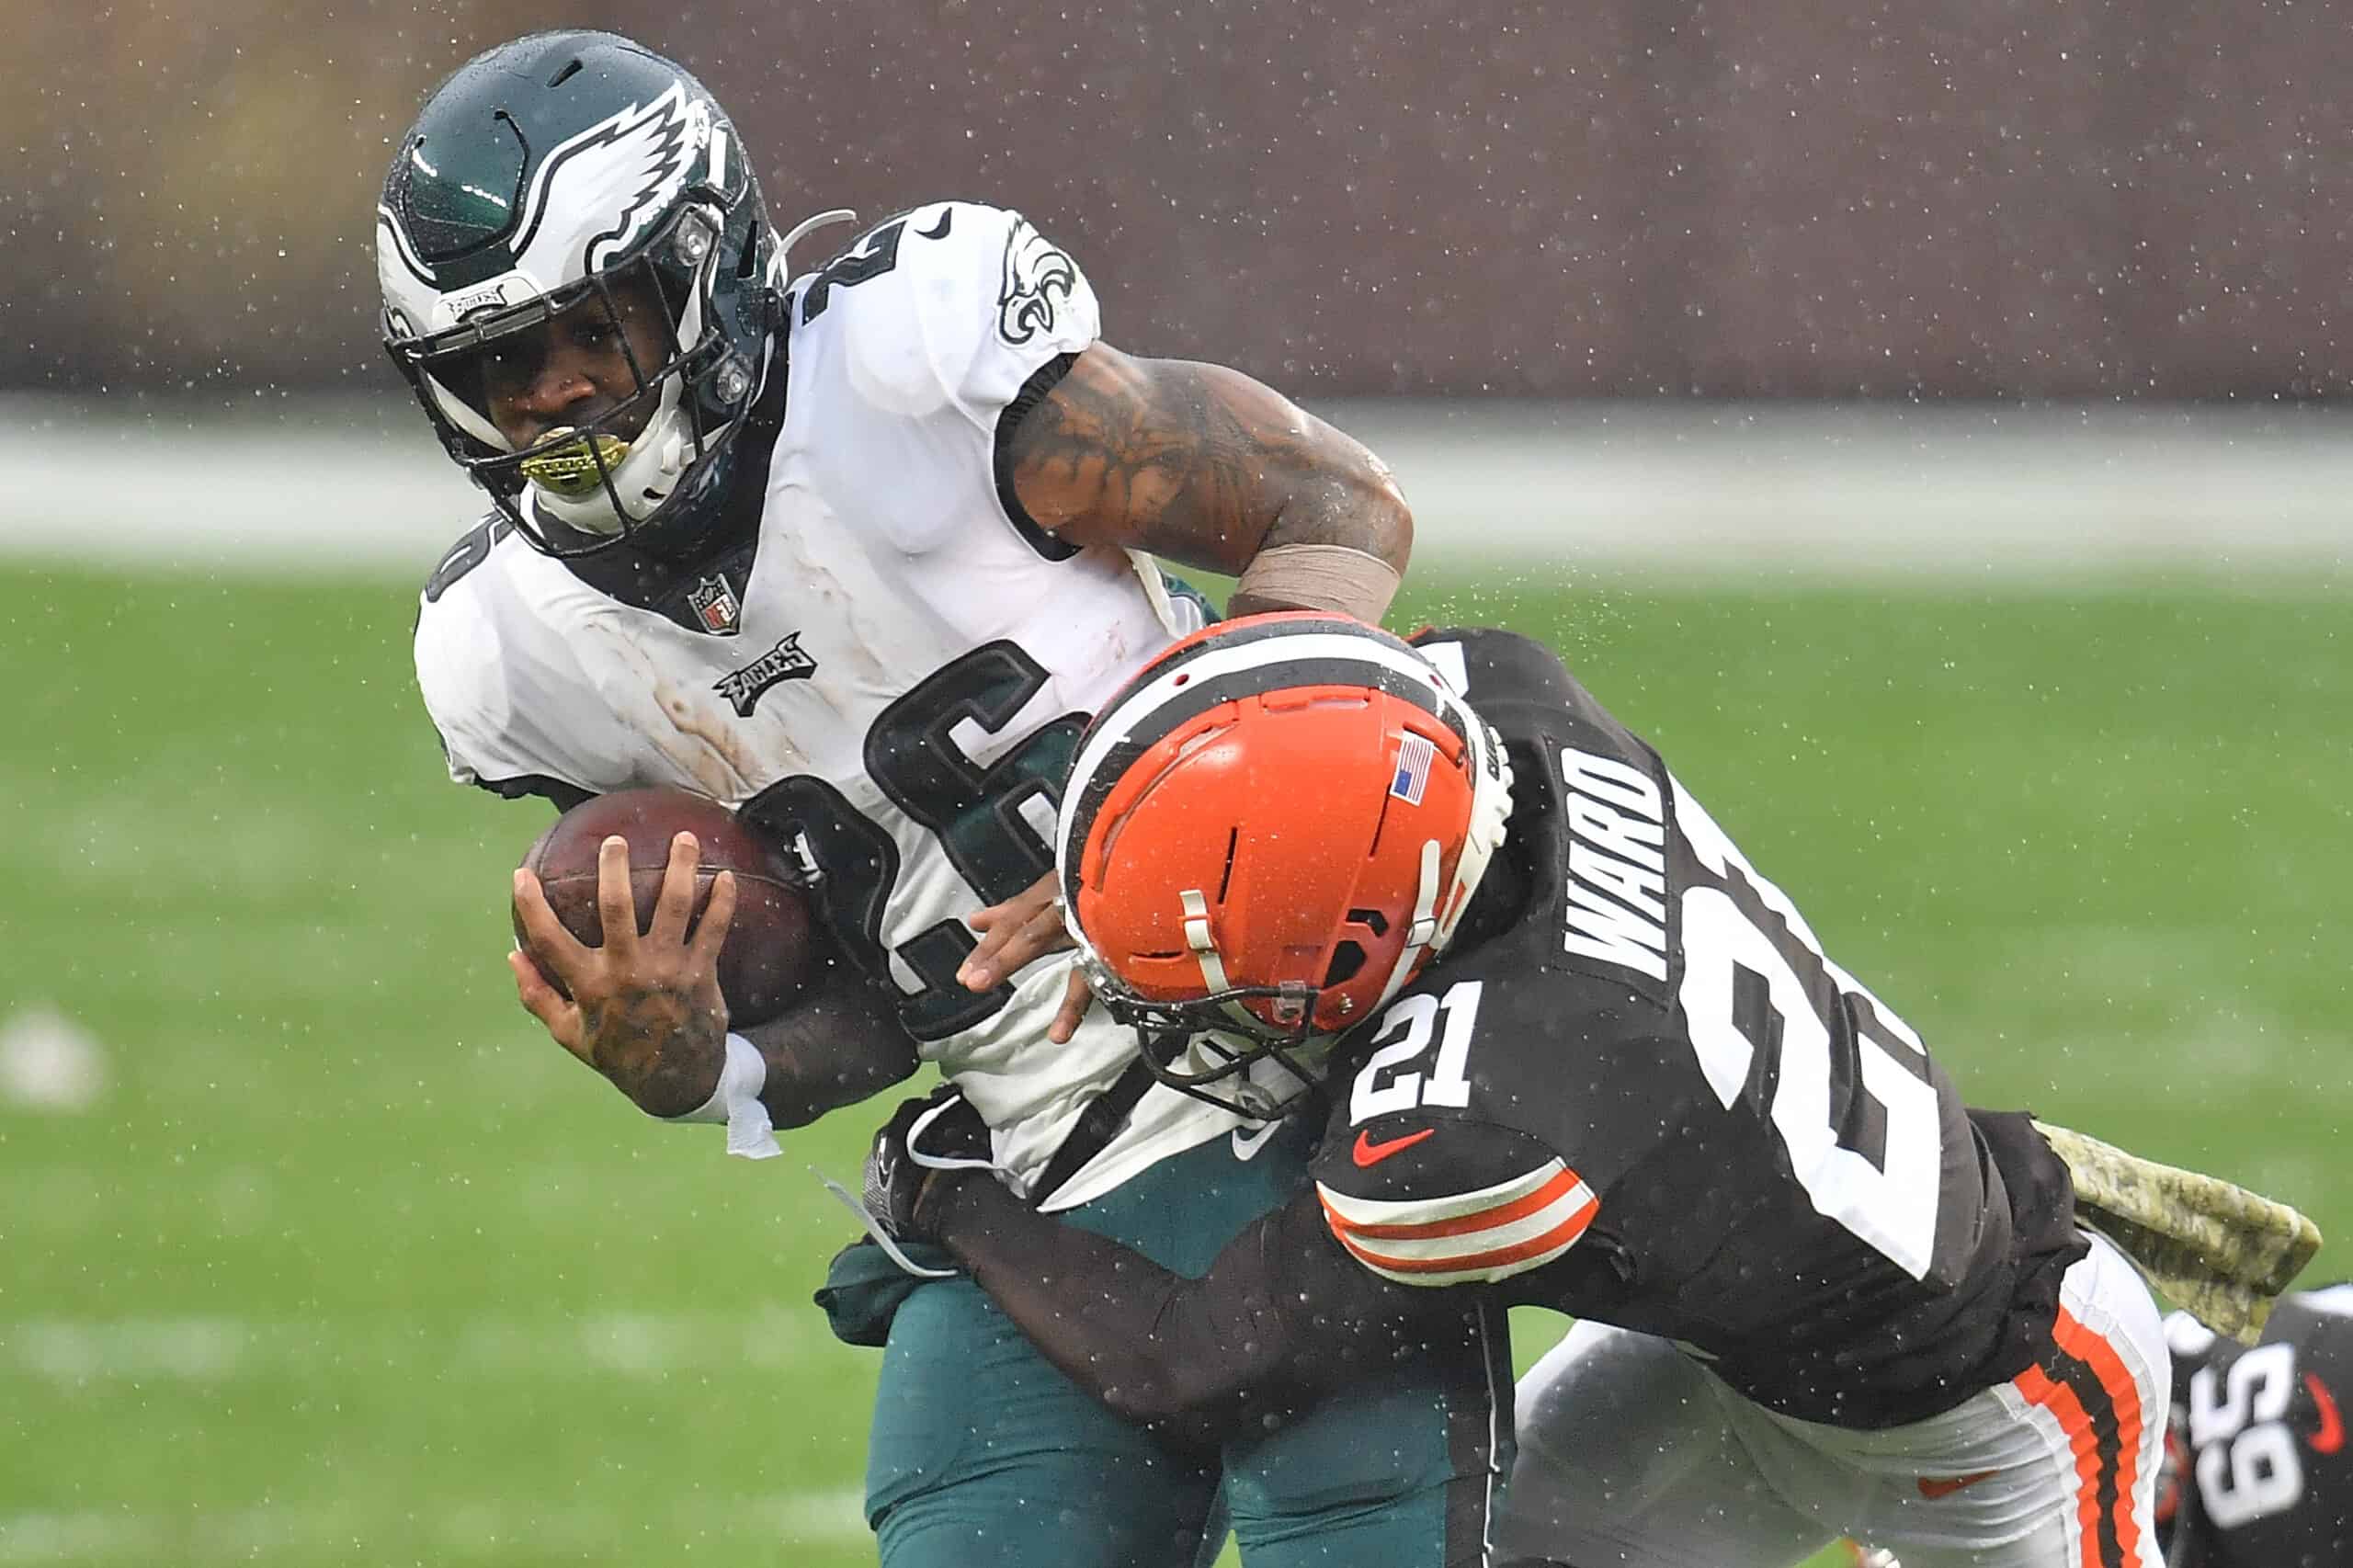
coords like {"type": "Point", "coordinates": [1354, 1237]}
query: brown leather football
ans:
{"type": "Point", "coordinates": [768, 953]}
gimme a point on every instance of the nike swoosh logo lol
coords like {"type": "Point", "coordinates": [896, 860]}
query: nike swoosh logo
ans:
{"type": "Point", "coordinates": [1245, 1146]}
{"type": "Point", "coordinates": [1368, 1153]}
{"type": "Point", "coordinates": [2331, 1435]}
{"type": "Point", "coordinates": [1934, 1486]}
{"type": "Point", "coordinates": [947, 216]}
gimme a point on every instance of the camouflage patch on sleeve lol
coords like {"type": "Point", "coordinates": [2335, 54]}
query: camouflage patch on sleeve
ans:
{"type": "Point", "coordinates": [2210, 1245]}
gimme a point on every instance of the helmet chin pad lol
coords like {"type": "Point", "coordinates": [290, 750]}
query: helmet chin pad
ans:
{"type": "Point", "coordinates": [596, 481]}
{"type": "Point", "coordinates": [616, 483]}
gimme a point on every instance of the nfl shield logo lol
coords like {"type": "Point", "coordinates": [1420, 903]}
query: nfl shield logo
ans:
{"type": "Point", "coordinates": [715, 603]}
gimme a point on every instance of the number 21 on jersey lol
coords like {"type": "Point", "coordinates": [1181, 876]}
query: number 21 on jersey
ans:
{"type": "Point", "coordinates": [1418, 1016]}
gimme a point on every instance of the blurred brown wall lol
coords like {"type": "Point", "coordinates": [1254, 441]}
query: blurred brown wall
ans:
{"type": "Point", "coordinates": [2019, 197]}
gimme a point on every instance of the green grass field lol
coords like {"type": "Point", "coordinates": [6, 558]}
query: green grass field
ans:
{"type": "Point", "coordinates": [350, 1266]}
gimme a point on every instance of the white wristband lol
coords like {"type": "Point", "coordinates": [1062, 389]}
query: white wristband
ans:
{"type": "Point", "coordinates": [736, 1101]}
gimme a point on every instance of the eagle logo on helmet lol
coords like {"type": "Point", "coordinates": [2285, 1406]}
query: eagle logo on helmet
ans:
{"type": "Point", "coordinates": [641, 150]}
{"type": "Point", "coordinates": [633, 164]}
{"type": "Point", "coordinates": [548, 173]}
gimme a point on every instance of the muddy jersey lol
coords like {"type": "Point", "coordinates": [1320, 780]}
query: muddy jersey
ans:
{"type": "Point", "coordinates": [1638, 1091]}
{"type": "Point", "coordinates": [892, 674]}
{"type": "Point", "coordinates": [2258, 1475]}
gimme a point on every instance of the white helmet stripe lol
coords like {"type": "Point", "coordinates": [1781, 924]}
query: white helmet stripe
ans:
{"type": "Point", "coordinates": [1178, 683]}
{"type": "Point", "coordinates": [1423, 931]}
{"type": "Point", "coordinates": [402, 248]}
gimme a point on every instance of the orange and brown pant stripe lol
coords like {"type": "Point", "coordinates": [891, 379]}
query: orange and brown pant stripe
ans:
{"type": "Point", "coordinates": [2082, 1383]}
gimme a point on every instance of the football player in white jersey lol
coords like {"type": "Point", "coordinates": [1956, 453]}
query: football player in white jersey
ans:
{"type": "Point", "coordinates": [856, 552]}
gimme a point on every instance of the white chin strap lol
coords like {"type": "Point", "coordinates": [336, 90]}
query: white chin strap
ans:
{"type": "Point", "coordinates": [1422, 932]}
{"type": "Point", "coordinates": [1418, 937]}
{"type": "Point", "coordinates": [1196, 905]}
{"type": "Point", "coordinates": [1490, 810]}
{"type": "Point", "coordinates": [1197, 937]}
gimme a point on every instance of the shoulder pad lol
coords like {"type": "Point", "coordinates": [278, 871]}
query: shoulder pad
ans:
{"type": "Point", "coordinates": [1450, 1202]}
{"type": "Point", "coordinates": [1497, 666]}
{"type": "Point", "coordinates": [938, 238]}
{"type": "Point", "coordinates": [950, 302]}
{"type": "Point", "coordinates": [461, 669]}
{"type": "Point", "coordinates": [462, 557]}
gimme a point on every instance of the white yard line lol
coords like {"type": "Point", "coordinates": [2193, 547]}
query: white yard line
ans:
{"type": "Point", "coordinates": [1710, 491]}
{"type": "Point", "coordinates": [70, 1354]}
{"type": "Point", "coordinates": [631, 1345]}
{"type": "Point", "coordinates": [452, 1530]}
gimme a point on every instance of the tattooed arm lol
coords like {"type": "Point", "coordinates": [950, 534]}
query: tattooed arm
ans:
{"type": "Point", "coordinates": [1205, 467]}
{"type": "Point", "coordinates": [1208, 468]}
{"type": "Point", "coordinates": [840, 1041]}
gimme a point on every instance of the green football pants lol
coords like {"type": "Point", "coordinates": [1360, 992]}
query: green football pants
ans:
{"type": "Point", "coordinates": [984, 1456]}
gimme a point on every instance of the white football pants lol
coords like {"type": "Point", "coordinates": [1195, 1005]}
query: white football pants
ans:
{"type": "Point", "coordinates": [1632, 1455]}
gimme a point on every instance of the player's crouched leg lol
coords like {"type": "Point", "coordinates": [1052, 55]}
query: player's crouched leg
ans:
{"type": "Point", "coordinates": [1402, 1471]}
{"type": "Point", "coordinates": [2057, 1468]}
{"type": "Point", "coordinates": [1628, 1459]}
{"type": "Point", "coordinates": [2052, 1469]}
{"type": "Point", "coordinates": [984, 1456]}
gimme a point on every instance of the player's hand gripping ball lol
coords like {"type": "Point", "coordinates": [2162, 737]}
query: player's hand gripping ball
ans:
{"type": "Point", "coordinates": [767, 956]}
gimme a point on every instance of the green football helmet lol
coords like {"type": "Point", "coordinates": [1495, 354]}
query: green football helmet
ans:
{"type": "Point", "coordinates": [554, 169]}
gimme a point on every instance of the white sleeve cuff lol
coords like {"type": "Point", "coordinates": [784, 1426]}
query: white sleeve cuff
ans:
{"type": "Point", "coordinates": [736, 1101]}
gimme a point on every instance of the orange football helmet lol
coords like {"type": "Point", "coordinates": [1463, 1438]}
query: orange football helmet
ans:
{"type": "Point", "coordinates": [1267, 834]}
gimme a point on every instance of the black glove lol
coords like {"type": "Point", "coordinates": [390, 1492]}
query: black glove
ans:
{"type": "Point", "coordinates": [940, 1132]}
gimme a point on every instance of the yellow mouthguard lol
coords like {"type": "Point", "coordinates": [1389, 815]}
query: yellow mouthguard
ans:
{"type": "Point", "coordinates": [571, 470]}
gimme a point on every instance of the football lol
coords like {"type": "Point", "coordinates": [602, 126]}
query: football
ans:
{"type": "Point", "coordinates": [768, 954]}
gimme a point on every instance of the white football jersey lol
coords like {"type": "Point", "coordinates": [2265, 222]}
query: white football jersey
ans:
{"type": "Point", "coordinates": [899, 680]}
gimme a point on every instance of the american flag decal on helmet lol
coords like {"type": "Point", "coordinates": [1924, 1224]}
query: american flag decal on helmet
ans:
{"type": "Point", "coordinates": [1490, 1234]}
{"type": "Point", "coordinates": [1415, 757]}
